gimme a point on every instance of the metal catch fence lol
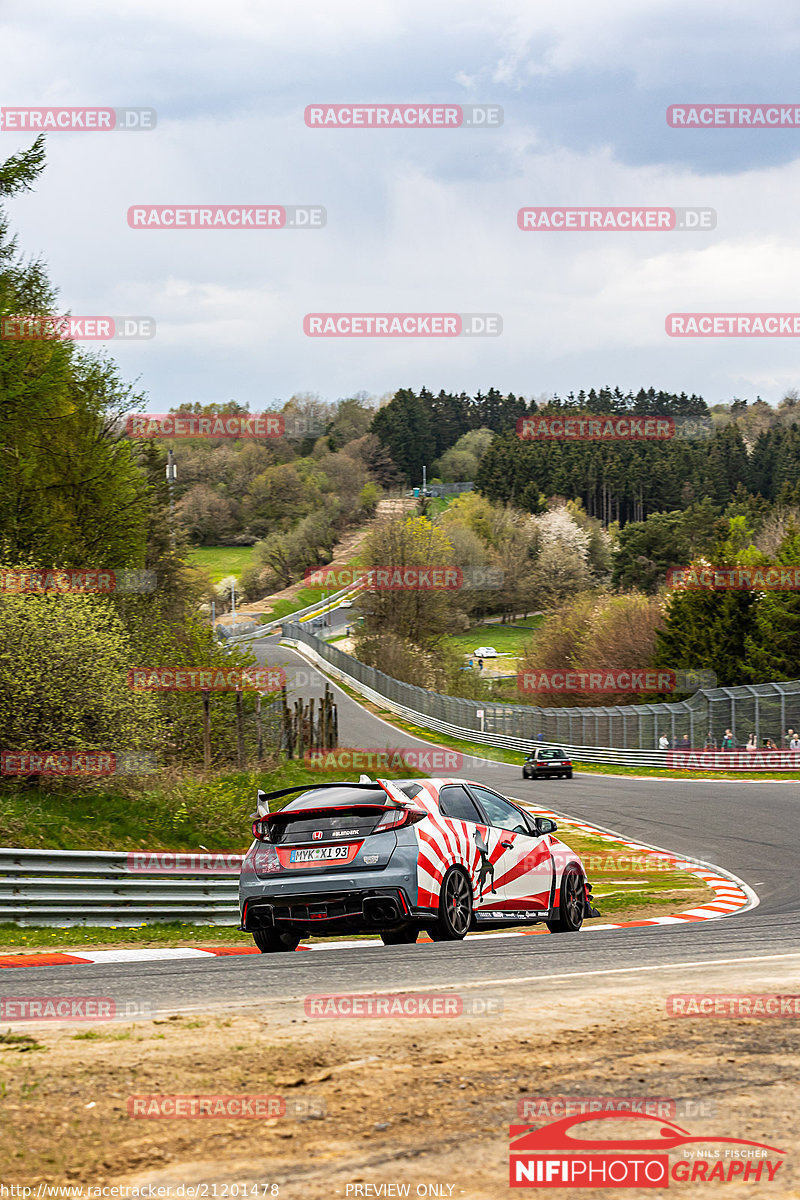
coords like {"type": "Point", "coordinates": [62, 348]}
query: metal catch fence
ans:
{"type": "Point", "coordinates": [765, 710]}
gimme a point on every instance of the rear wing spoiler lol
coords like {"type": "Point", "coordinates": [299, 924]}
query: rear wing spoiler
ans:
{"type": "Point", "coordinates": [394, 792]}
{"type": "Point", "coordinates": [264, 798]}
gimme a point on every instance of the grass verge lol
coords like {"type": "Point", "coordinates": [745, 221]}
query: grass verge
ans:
{"type": "Point", "coordinates": [221, 561]}
{"type": "Point", "coordinates": [282, 608]}
{"type": "Point", "coordinates": [507, 639]}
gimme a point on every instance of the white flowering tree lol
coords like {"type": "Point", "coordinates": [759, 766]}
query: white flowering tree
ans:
{"type": "Point", "coordinates": [557, 528]}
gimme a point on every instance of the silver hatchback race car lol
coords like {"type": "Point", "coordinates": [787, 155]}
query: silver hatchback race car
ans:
{"type": "Point", "coordinates": [397, 856]}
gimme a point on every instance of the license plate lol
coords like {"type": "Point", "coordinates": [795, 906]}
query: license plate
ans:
{"type": "Point", "coordinates": [318, 853]}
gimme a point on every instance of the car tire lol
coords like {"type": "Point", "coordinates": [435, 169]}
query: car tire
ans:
{"type": "Point", "coordinates": [405, 936]}
{"type": "Point", "coordinates": [272, 941]}
{"type": "Point", "coordinates": [568, 775]}
{"type": "Point", "coordinates": [455, 907]}
{"type": "Point", "coordinates": [572, 903]}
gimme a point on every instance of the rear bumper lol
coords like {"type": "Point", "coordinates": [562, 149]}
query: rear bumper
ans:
{"type": "Point", "coordinates": [366, 901]}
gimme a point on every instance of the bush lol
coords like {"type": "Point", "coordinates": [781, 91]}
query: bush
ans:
{"type": "Point", "coordinates": [596, 630]}
{"type": "Point", "coordinates": [63, 678]}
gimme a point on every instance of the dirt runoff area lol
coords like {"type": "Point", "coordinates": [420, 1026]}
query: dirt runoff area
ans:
{"type": "Point", "coordinates": [406, 1106]}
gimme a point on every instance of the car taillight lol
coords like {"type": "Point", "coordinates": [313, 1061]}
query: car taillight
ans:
{"type": "Point", "coordinates": [261, 830]}
{"type": "Point", "coordinates": [395, 817]}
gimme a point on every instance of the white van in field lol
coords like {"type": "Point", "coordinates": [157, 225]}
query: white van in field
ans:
{"type": "Point", "coordinates": [485, 652]}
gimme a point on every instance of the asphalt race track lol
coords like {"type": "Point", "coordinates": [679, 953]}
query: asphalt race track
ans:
{"type": "Point", "coordinates": [751, 829]}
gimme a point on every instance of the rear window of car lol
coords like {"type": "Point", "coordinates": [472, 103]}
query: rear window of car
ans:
{"type": "Point", "coordinates": [551, 754]}
{"type": "Point", "coordinates": [343, 797]}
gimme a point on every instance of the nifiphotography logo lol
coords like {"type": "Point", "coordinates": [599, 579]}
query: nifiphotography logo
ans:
{"type": "Point", "coordinates": [553, 1156]}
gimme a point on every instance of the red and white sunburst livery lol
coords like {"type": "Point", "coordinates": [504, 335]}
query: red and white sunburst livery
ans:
{"type": "Point", "coordinates": [398, 856]}
{"type": "Point", "coordinates": [518, 871]}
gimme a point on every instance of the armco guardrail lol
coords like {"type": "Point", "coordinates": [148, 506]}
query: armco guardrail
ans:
{"type": "Point", "coordinates": [310, 610]}
{"type": "Point", "coordinates": [90, 887]}
{"type": "Point", "coordinates": [624, 735]}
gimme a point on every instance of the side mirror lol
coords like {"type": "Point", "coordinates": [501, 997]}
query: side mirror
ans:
{"type": "Point", "coordinates": [545, 825]}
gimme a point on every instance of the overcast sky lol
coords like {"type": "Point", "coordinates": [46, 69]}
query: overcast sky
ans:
{"type": "Point", "coordinates": [417, 220]}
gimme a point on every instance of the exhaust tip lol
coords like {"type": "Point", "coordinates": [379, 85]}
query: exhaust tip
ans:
{"type": "Point", "coordinates": [381, 910]}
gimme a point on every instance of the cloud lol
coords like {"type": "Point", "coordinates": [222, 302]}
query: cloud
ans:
{"type": "Point", "coordinates": [417, 220]}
